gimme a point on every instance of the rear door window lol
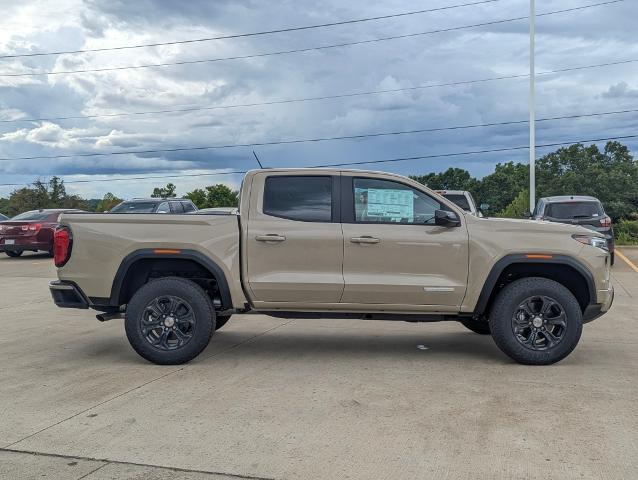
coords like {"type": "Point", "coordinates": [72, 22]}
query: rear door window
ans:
{"type": "Point", "coordinates": [188, 207]}
{"type": "Point", "coordinates": [302, 198]}
{"type": "Point", "coordinates": [163, 208]}
{"type": "Point", "coordinates": [176, 207]}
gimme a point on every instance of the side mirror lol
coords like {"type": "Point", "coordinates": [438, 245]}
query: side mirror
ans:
{"type": "Point", "coordinates": [444, 218]}
{"type": "Point", "coordinates": [484, 207]}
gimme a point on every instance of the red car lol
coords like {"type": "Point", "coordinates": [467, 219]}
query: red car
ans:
{"type": "Point", "coordinates": [30, 231]}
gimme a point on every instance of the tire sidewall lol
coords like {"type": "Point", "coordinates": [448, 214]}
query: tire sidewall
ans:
{"type": "Point", "coordinates": [202, 310]}
{"type": "Point", "coordinates": [508, 301]}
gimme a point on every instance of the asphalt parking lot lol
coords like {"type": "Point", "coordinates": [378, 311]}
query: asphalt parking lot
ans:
{"type": "Point", "coordinates": [307, 399]}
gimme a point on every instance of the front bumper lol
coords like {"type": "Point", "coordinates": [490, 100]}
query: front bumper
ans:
{"type": "Point", "coordinates": [67, 295]}
{"type": "Point", "coordinates": [592, 312]}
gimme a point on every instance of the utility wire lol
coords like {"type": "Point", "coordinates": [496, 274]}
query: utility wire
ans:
{"type": "Point", "coordinates": [390, 160]}
{"type": "Point", "coordinates": [315, 140]}
{"type": "Point", "coordinates": [301, 50]}
{"type": "Point", "coordinates": [325, 97]}
{"type": "Point", "coordinates": [251, 34]}
{"type": "Point", "coordinates": [475, 152]}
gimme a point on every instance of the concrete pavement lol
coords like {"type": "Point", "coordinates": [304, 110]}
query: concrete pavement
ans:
{"type": "Point", "coordinates": [273, 398]}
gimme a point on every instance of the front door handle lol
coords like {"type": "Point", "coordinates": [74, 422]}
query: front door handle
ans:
{"type": "Point", "coordinates": [365, 239]}
{"type": "Point", "coordinates": [271, 237]}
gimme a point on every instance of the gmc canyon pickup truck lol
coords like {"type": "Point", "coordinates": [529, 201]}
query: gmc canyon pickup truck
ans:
{"type": "Point", "coordinates": [309, 243]}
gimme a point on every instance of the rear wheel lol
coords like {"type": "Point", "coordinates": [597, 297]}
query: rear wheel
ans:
{"type": "Point", "coordinates": [482, 327]}
{"type": "Point", "coordinates": [611, 259]}
{"type": "Point", "coordinates": [13, 253]}
{"type": "Point", "coordinates": [170, 321]}
{"type": "Point", "coordinates": [536, 321]}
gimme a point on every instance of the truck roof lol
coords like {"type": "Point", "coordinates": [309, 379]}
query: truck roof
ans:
{"type": "Point", "coordinates": [324, 170]}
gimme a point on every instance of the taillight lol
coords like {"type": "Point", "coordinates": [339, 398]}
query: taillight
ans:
{"type": "Point", "coordinates": [62, 243]}
{"type": "Point", "coordinates": [605, 222]}
{"type": "Point", "coordinates": [31, 227]}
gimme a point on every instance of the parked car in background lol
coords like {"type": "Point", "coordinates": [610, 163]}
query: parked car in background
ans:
{"type": "Point", "coordinates": [155, 205]}
{"type": "Point", "coordinates": [218, 211]}
{"type": "Point", "coordinates": [30, 231]}
{"type": "Point", "coordinates": [463, 199]}
{"type": "Point", "coordinates": [577, 210]}
{"type": "Point", "coordinates": [3, 217]}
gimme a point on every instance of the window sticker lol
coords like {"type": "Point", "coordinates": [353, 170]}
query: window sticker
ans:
{"type": "Point", "coordinates": [389, 204]}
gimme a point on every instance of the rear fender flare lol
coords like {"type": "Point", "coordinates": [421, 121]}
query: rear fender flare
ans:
{"type": "Point", "coordinates": [193, 255]}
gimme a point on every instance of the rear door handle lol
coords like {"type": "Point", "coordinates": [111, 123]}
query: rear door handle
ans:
{"type": "Point", "coordinates": [271, 237]}
{"type": "Point", "coordinates": [365, 239]}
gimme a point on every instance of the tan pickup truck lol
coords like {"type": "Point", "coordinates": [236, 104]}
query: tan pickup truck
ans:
{"type": "Point", "coordinates": [310, 243]}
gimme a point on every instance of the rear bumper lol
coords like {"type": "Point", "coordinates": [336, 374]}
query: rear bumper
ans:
{"type": "Point", "coordinates": [24, 243]}
{"type": "Point", "coordinates": [67, 295]}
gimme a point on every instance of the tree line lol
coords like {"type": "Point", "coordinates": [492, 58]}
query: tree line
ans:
{"type": "Point", "coordinates": [610, 175]}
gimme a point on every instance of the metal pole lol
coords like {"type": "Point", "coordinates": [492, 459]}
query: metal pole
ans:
{"type": "Point", "coordinates": [532, 107]}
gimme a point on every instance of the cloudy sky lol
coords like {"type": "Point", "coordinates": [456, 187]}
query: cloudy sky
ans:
{"type": "Point", "coordinates": [597, 35]}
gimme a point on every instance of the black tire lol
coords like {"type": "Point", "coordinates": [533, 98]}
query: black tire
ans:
{"type": "Point", "coordinates": [611, 260]}
{"type": "Point", "coordinates": [13, 253]}
{"type": "Point", "coordinates": [536, 338]}
{"type": "Point", "coordinates": [221, 321]}
{"type": "Point", "coordinates": [166, 334]}
{"type": "Point", "coordinates": [481, 327]}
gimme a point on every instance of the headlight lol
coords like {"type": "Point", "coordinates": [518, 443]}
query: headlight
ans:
{"type": "Point", "coordinates": [598, 242]}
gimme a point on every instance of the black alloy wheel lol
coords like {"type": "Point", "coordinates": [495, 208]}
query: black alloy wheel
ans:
{"type": "Point", "coordinates": [168, 322]}
{"type": "Point", "coordinates": [539, 322]}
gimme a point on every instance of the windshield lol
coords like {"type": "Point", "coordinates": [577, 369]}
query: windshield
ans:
{"type": "Point", "coordinates": [459, 200]}
{"type": "Point", "coordinates": [34, 215]}
{"type": "Point", "coordinates": [574, 210]}
{"type": "Point", "coordinates": [135, 207]}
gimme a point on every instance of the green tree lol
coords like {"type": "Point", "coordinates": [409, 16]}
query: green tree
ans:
{"type": "Point", "coordinates": [4, 206]}
{"type": "Point", "coordinates": [517, 207]}
{"type": "Point", "coordinates": [164, 192]}
{"type": "Point", "coordinates": [501, 187]}
{"type": "Point", "coordinates": [214, 196]}
{"type": "Point", "coordinates": [610, 175]}
{"type": "Point", "coordinates": [451, 179]}
{"type": "Point", "coordinates": [43, 195]}
{"type": "Point", "coordinates": [108, 202]}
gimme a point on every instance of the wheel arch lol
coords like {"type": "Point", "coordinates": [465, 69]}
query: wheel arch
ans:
{"type": "Point", "coordinates": [564, 269]}
{"type": "Point", "coordinates": [137, 268]}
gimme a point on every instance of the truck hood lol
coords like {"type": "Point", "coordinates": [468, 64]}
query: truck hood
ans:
{"type": "Point", "coordinates": [504, 225]}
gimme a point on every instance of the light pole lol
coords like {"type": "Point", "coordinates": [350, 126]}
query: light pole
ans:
{"type": "Point", "coordinates": [532, 107]}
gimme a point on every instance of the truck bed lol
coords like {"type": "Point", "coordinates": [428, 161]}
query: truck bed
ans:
{"type": "Point", "coordinates": [101, 242]}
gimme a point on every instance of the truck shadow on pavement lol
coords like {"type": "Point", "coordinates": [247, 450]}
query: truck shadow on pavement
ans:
{"type": "Point", "coordinates": [428, 346]}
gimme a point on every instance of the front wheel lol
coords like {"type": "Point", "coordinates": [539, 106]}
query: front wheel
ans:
{"type": "Point", "coordinates": [13, 253]}
{"type": "Point", "coordinates": [170, 321]}
{"type": "Point", "coordinates": [536, 321]}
